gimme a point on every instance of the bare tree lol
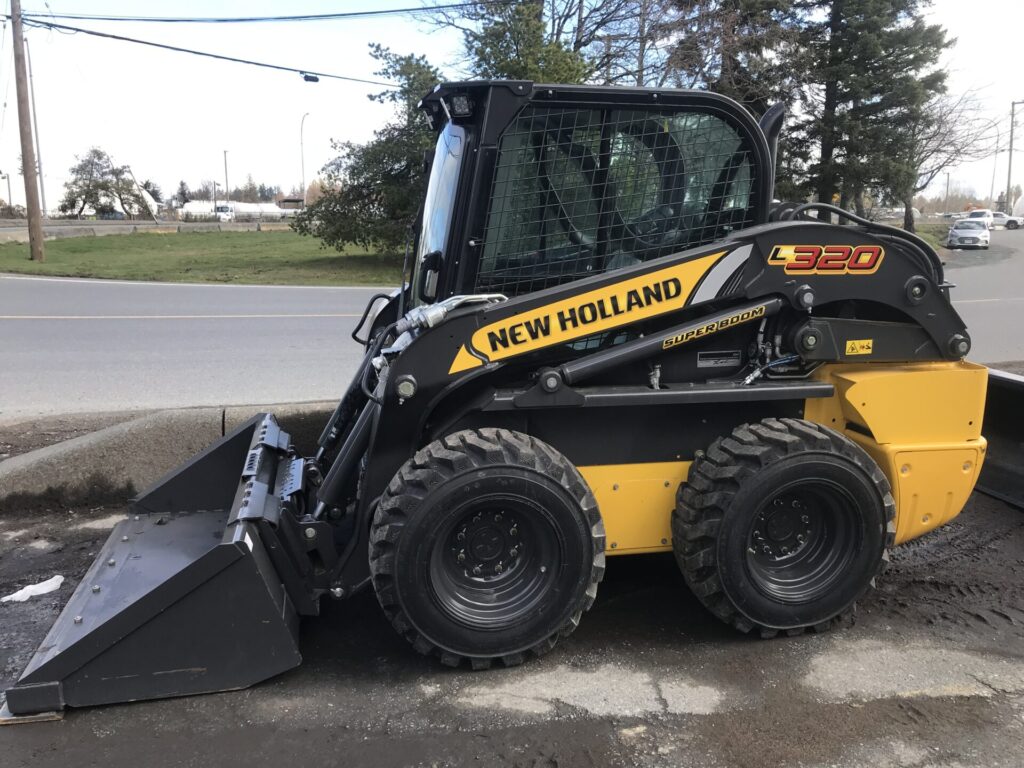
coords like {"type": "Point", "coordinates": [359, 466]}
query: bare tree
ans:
{"type": "Point", "coordinates": [949, 130]}
{"type": "Point", "coordinates": [620, 41]}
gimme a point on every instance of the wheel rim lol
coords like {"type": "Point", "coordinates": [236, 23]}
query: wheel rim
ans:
{"type": "Point", "coordinates": [801, 541]}
{"type": "Point", "coordinates": [492, 565]}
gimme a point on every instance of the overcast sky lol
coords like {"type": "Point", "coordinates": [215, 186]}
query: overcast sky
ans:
{"type": "Point", "coordinates": [170, 115]}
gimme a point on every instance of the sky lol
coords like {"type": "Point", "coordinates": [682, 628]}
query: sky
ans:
{"type": "Point", "coordinates": [170, 116]}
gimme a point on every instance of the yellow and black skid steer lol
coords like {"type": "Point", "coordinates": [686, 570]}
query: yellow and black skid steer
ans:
{"type": "Point", "coordinates": [611, 342]}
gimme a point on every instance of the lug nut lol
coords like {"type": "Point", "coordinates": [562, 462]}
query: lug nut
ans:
{"type": "Point", "coordinates": [497, 517]}
{"type": "Point", "coordinates": [124, 538]}
{"type": "Point", "coordinates": [476, 570]}
{"type": "Point", "coordinates": [111, 563]}
{"type": "Point", "coordinates": [95, 588]}
{"type": "Point", "coordinates": [805, 519]}
{"type": "Point", "coordinates": [461, 557]}
{"type": "Point", "coordinates": [498, 568]}
{"type": "Point", "coordinates": [78, 619]}
{"type": "Point", "coordinates": [337, 592]}
{"type": "Point", "coordinates": [513, 552]}
{"type": "Point", "coordinates": [460, 536]}
{"type": "Point", "coordinates": [310, 533]}
{"type": "Point", "coordinates": [513, 531]}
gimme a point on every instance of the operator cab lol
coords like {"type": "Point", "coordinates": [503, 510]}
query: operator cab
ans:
{"type": "Point", "coordinates": [532, 186]}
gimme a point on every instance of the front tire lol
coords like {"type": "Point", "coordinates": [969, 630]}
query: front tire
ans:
{"type": "Point", "coordinates": [487, 545]}
{"type": "Point", "coordinates": [782, 526]}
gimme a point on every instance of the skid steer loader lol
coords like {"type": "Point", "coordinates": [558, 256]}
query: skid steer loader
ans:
{"type": "Point", "coordinates": [611, 342]}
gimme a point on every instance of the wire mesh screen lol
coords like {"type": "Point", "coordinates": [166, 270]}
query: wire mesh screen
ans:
{"type": "Point", "coordinates": [577, 192]}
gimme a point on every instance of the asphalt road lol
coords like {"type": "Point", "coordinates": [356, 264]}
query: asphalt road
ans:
{"type": "Point", "coordinates": [989, 295]}
{"type": "Point", "coordinates": [69, 345]}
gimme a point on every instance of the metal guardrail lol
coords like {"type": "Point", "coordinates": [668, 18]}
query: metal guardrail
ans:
{"type": "Point", "coordinates": [1002, 474]}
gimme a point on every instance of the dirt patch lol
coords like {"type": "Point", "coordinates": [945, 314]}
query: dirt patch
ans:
{"type": "Point", "coordinates": [18, 437]}
{"type": "Point", "coordinates": [36, 544]}
{"type": "Point", "coordinates": [931, 674]}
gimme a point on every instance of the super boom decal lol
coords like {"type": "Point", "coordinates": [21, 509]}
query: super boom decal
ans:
{"type": "Point", "coordinates": [601, 309]}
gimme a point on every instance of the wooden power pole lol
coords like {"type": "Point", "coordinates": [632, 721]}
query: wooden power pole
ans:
{"type": "Point", "coordinates": [28, 154]}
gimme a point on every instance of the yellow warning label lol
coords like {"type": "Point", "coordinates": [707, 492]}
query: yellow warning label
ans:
{"type": "Point", "coordinates": [859, 346]}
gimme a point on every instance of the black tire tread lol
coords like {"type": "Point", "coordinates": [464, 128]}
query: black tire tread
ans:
{"type": "Point", "coordinates": [442, 460]}
{"type": "Point", "coordinates": [716, 476]}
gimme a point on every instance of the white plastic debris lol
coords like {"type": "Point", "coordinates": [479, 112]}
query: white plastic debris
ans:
{"type": "Point", "coordinates": [32, 590]}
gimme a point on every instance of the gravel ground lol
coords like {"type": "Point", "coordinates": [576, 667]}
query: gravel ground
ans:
{"type": "Point", "coordinates": [931, 674]}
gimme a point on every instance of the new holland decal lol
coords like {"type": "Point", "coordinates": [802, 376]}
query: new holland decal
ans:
{"type": "Point", "coordinates": [720, 325]}
{"type": "Point", "coordinates": [827, 259]}
{"type": "Point", "coordinates": [601, 309]}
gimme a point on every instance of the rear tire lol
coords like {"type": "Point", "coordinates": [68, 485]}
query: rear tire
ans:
{"type": "Point", "coordinates": [782, 526]}
{"type": "Point", "coordinates": [487, 545]}
{"type": "Point", "coordinates": [1011, 225]}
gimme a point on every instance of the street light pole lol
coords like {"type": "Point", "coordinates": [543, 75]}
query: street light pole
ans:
{"type": "Point", "coordinates": [227, 187]}
{"type": "Point", "coordinates": [995, 163]}
{"type": "Point", "coordinates": [1009, 158]}
{"type": "Point", "coordinates": [945, 205]}
{"type": "Point", "coordinates": [302, 155]}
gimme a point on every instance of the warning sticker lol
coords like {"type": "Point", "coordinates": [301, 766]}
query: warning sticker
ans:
{"type": "Point", "coordinates": [859, 346]}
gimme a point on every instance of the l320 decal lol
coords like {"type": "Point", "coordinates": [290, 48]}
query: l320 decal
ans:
{"type": "Point", "coordinates": [827, 259]}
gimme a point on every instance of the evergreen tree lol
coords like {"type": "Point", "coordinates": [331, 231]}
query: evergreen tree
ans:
{"type": "Point", "coordinates": [373, 191]}
{"type": "Point", "coordinates": [183, 195]}
{"type": "Point", "coordinates": [872, 67]}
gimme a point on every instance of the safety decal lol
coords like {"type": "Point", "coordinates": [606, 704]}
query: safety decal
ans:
{"type": "Point", "coordinates": [859, 346]}
{"type": "Point", "coordinates": [601, 309]}
{"type": "Point", "coordinates": [827, 259]}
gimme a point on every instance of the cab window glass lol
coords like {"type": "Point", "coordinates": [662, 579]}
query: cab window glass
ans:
{"type": "Point", "coordinates": [578, 192]}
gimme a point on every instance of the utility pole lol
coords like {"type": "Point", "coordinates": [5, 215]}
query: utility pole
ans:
{"type": "Point", "coordinates": [227, 188]}
{"type": "Point", "coordinates": [1009, 159]}
{"type": "Point", "coordinates": [35, 127]}
{"type": "Point", "coordinates": [945, 205]}
{"type": "Point", "coordinates": [28, 154]}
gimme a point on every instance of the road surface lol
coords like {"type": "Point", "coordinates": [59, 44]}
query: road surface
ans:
{"type": "Point", "coordinates": [70, 345]}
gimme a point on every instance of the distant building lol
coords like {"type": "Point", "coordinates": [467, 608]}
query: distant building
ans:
{"type": "Point", "coordinates": [292, 203]}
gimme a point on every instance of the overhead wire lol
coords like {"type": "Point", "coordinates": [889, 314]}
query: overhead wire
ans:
{"type": "Point", "coordinates": [264, 19]}
{"type": "Point", "coordinates": [42, 24]}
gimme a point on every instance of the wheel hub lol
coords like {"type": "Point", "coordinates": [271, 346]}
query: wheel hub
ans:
{"type": "Point", "coordinates": [782, 529]}
{"type": "Point", "coordinates": [486, 544]}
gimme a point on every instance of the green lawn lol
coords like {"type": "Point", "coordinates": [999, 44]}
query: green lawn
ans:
{"type": "Point", "coordinates": [201, 257]}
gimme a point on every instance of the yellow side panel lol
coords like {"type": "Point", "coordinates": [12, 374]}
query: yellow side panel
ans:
{"type": "Point", "coordinates": [636, 503]}
{"type": "Point", "coordinates": [924, 421]}
{"type": "Point", "coordinates": [907, 402]}
{"type": "Point", "coordinates": [930, 483]}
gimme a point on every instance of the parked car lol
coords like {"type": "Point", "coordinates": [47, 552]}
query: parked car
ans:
{"type": "Point", "coordinates": [968, 233]}
{"type": "Point", "coordinates": [981, 214]}
{"type": "Point", "coordinates": [1000, 219]}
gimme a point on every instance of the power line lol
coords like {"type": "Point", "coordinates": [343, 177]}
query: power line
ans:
{"type": "Point", "coordinates": [261, 19]}
{"type": "Point", "coordinates": [307, 73]}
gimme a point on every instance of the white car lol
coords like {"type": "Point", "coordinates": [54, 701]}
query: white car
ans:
{"type": "Point", "coordinates": [968, 233]}
{"type": "Point", "coordinates": [1000, 219]}
{"type": "Point", "coordinates": [981, 214]}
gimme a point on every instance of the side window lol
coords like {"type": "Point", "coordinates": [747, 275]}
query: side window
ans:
{"type": "Point", "coordinates": [580, 192]}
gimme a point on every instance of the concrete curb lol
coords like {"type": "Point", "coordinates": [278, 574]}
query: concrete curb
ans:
{"type": "Point", "coordinates": [115, 462]}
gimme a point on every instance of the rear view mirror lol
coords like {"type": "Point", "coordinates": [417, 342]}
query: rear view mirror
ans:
{"type": "Point", "coordinates": [427, 284]}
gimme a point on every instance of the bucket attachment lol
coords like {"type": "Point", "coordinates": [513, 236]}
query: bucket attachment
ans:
{"type": "Point", "coordinates": [1002, 474]}
{"type": "Point", "coordinates": [184, 597]}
